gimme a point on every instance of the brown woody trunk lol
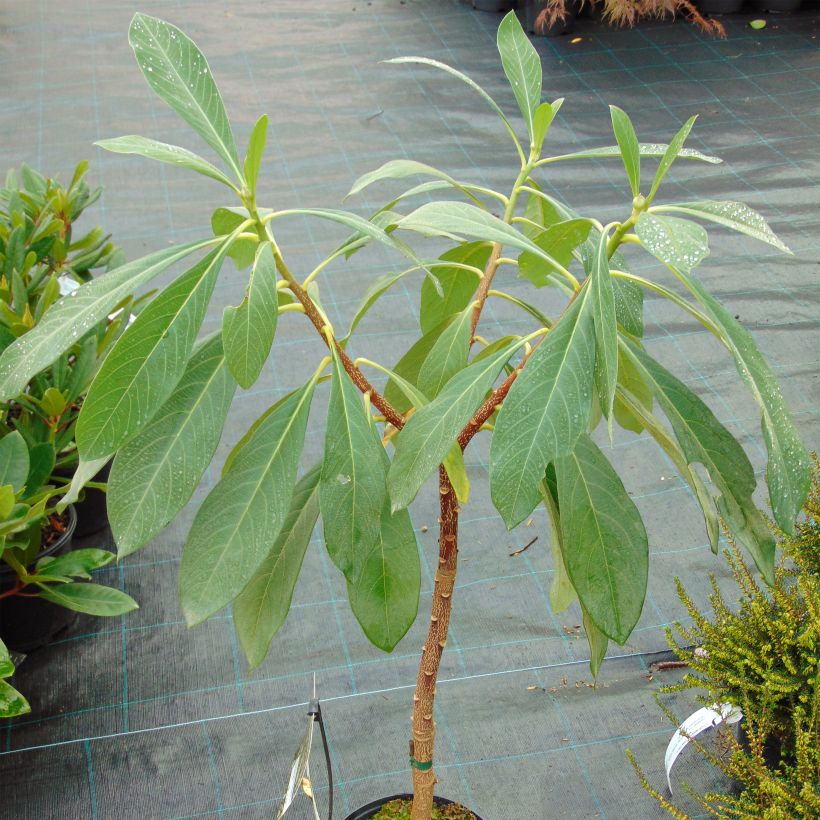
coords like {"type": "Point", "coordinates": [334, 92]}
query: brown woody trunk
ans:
{"type": "Point", "coordinates": [424, 728]}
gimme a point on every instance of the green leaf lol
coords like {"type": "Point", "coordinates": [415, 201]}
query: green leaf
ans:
{"type": "Point", "coordinates": [457, 473]}
{"type": "Point", "coordinates": [734, 215]}
{"type": "Point", "coordinates": [447, 356]}
{"type": "Point", "coordinates": [547, 409]}
{"type": "Point", "coordinates": [70, 318]}
{"type": "Point", "coordinates": [542, 120]}
{"type": "Point", "coordinates": [256, 148]}
{"type": "Point", "coordinates": [248, 330]}
{"type": "Point", "coordinates": [628, 143]}
{"type": "Point", "coordinates": [558, 241]}
{"type": "Point", "coordinates": [12, 703]}
{"type": "Point", "coordinates": [155, 474]}
{"type": "Point", "coordinates": [522, 65]}
{"type": "Point", "coordinates": [163, 152]}
{"type": "Point", "coordinates": [597, 641]}
{"type": "Point", "coordinates": [377, 288]}
{"type": "Point", "coordinates": [238, 523]}
{"type": "Point", "coordinates": [606, 329]}
{"type": "Point", "coordinates": [674, 149]}
{"type": "Point", "coordinates": [562, 593]}
{"type": "Point", "coordinates": [457, 283]}
{"type": "Point", "coordinates": [630, 379]}
{"type": "Point", "coordinates": [789, 470]}
{"type": "Point", "coordinates": [147, 361]}
{"type": "Point", "coordinates": [352, 487]}
{"type": "Point", "coordinates": [705, 440]}
{"type": "Point", "coordinates": [92, 599]}
{"type": "Point", "coordinates": [225, 221]}
{"type": "Point", "coordinates": [53, 402]}
{"type": "Point", "coordinates": [430, 432]}
{"type": "Point", "coordinates": [79, 563]}
{"type": "Point", "coordinates": [85, 472]}
{"type": "Point", "coordinates": [7, 501]}
{"type": "Point", "coordinates": [261, 608]}
{"type": "Point", "coordinates": [677, 242]}
{"type": "Point", "coordinates": [461, 218]}
{"type": "Point", "coordinates": [14, 460]}
{"type": "Point", "coordinates": [384, 596]}
{"type": "Point", "coordinates": [179, 74]}
{"type": "Point", "coordinates": [646, 149]}
{"type": "Point", "coordinates": [605, 545]}
{"type": "Point", "coordinates": [628, 301]}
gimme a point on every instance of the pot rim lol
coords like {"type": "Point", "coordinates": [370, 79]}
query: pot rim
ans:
{"type": "Point", "coordinates": [360, 813]}
{"type": "Point", "coordinates": [7, 572]}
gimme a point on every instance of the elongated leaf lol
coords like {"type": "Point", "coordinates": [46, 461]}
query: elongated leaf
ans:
{"type": "Point", "coordinates": [377, 288]}
{"type": "Point", "coordinates": [400, 169]}
{"type": "Point", "coordinates": [239, 521]}
{"type": "Point", "coordinates": [92, 599]}
{"type": "Point", "coordinates": [734, 215]}
{"type": "Point", "coordinates": [384, 596]}
{"type": "Point", "coordinates": [14, 461]}
{"type": "Point", "coordinates": [546, 410]}
{"type": "Point", "coordinates": [179, 74]}
{"type": "Point", "coordinates": [606, 329]}
{"type": "Point", "coordinates": [12, 703]}
{"type": "Point", "coordinates": [40, 465]}
{"type": "Point", "coordinates": [628, 302]}
{"type": "Point", "coordinates": [261, 608]}
{"type": "Point", "coordinates": [155, 474]}
{"type": "Point", "coordinates": [558, 241]}
{"type": "Point", "coordinates": [605, 543]}
{"type": "Point", "coordinates": [352, 488]}
{"type": "Point", "coordinates": [431, 431]}
{"type": "Point", "coordinates": [85, 472]}
{"type": "Point", "coordinates": [522, 65]}
{"type": "Point", "coordinates": [464, 219]}
{"type": "Point", "coordinates": [146, 363]}
{"type": "Point", "coordinates": [597, 641]}
{"type": "Point", "coordinates": [542, 120]}
{"type": "Point", "coordinates": [789, 471]}
{"type": "Point", "coordinates": [705, 440]}
{"type": "Point", "coordinates": [562, 593]}
{"type": "Point", "coordinates": [670, 155]}
{"type": "Point", "coordinates": [71, 317]}
{"type": "Point", "coordinates": [676, 242]}
{"type": "Point", "coordinates": [628, 143]}
{"type": "Point", "coordinates": [457, 473]}
{"type": "Point", "coordinates": [458, 284]}
{"type": "Point", "coordinates": [78, 563]}
{"type": "Point", "coordinates": [248, 330]}
{"type": "Point", "coordinates": [447, 356]}
{"type": "Point", "coordinates": [256, 148]}
{"type": "Point", "coordinates": [647, 149]}
{"type": "Point", "coordinates": [163, 152]}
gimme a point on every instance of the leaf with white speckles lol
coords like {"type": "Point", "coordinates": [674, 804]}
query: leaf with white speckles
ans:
{"type": "Point", "coordinates": [676, 242]}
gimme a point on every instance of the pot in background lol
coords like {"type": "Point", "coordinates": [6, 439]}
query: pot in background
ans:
{"type": "Point", "coordinates": [370, 810]}
{"type": "Point", "coordinates": [529, 11]}
{"type": "Point", "coordinates": [493, 5]}
{"type": "Point", "coordinates": [718, 7]}
{"type": "Point", "coordinates": [27, 624]}
{"type": "Point", "coordinates": [777, 6]}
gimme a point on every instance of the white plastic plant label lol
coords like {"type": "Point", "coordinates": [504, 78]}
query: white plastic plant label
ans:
{"type": "Point", "coordinates": [700, 721]}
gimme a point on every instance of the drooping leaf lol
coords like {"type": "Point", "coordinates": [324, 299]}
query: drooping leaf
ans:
{"type": "Point", "coordinates": [606, 329]}
{"type": "Point", "coordinates": [377, 288]}
{"type": "Point", "coordinates": [78, 563]}
{"type": "Point", "coordinates": [179, 74]}
{"type": "Point", "coordinates": [677, 242]}
{"type": "Point", "coordinates": [458, 284]}
{"type": "Point", "coordinates": [163, 152]}
{"type": "Point", "coordinates": [628, 143]}
{"type": "Point", "coordinates": [352, 488]}
{"type": "Point", "coordinates": [562, 593]}
{"type": "Point", "coordinates": [12, 703]}
{"type": "Point", "coordinates": [735, 215]}
{"type": "Point", "coordinates": [522, 65]}
{"type": "Point", "coordinates": [225, 221]}
{"type": "Point", "coordinates": [447, 356]}
{"type": "Point", "coordinates": [256, 148]}
{"type": "Point", "coordinates": [597, 641]}
{"type": "Point", "coordinates": [431, 431]}
{"type": "Point", "coordinates": [147, 361]}
{"type": "Point", "coordinates": [14, 460]}
{"type": "Point", "coordinates": [92, 599]}
{"type": "Point", "coordinates": [606, 549]}
{"type": "Point", "coordinates": [788, 474]}
{"type": "Point", "coordinates": [70, 318]}
{"type": "Point", "coordinates": [558, 241]}
{"type": "Point", "coordinates": [261, 608]}
{"type": "Point", "coordinates": [238, 523]}
{"type": "Point", "coordinates": [647, 149]}
{"type": "Point", "coordinates": [547, 409]}
{"type": "Point", "coordinates": [705, 440]}
{"type": "Point", "coordinates": [155, 474]}
{"type": "Point", "coordinates": [674, 149]}
{"type": "Point", "coordinates": [249, 328]}
{"type": "Point", "coordinates": [630, 379]}
{"type": "Point", "coordinates": [85, 472]}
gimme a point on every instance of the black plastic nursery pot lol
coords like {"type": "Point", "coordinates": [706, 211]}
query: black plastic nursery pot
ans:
{"type": "Point", "coordinates": [719, 6]}
{"type": "Point", "coordinates": [92, 514]}
{"type": "Point", "coordinates": [777, 6]}
{"type": "Point", "coordinates": [492, 5]}
{"type": "Point", "coordinates": [371, 809]}
{"type": "Point", "coordinates": [529, 10]}
{"type": "Point", "coordinates": [27, 624]}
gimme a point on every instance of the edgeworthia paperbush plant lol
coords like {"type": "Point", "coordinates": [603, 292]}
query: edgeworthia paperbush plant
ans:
{"type": "Point", "coordinates": [161, 398]}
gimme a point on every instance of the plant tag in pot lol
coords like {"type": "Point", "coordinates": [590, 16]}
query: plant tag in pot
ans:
{"type": "Point", "coordinates": [697, 722]}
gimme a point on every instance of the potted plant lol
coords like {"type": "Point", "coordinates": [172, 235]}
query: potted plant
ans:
{"type": "Point", "coordinates": [762, 657]}
{"type": "Point", "coordinates": [12, 703]}
{"type": "Point", "coordinates": [160, 398]}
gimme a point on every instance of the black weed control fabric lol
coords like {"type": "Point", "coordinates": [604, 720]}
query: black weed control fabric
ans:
{"type": "Point", "coordinates": [142, 718]}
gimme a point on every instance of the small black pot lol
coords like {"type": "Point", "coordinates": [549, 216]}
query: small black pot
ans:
{"type": "Point", "coordinates": [719, 7]}
{"type": "Point", "coordinates": [529, 10]}
{"type": "Point", "coordinates": [29, 623]}
{"type": "Point", "coordinates": [778, 6]}
{"type": "Point", "coordinates": [368, 811]}
{"type": "Point", "coordinates": [492, 5]}
{"type": "Point", "coordinates": [92, 514]}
